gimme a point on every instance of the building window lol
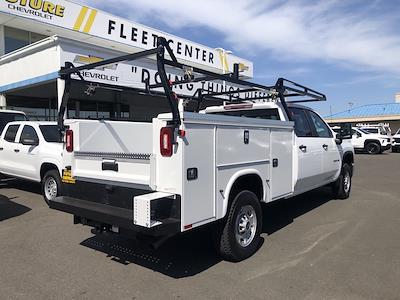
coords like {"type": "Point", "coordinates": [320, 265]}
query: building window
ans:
{"type": "Point", "coordinates": [16, 38]}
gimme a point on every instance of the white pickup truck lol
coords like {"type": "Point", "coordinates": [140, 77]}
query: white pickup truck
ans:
{"type": "Point", "coordinates": [183, 169]}
{"type": "Point", "coordinates": [32, 151]}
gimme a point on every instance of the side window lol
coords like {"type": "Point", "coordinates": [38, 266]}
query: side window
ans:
{"type": "Point", "coordinates": [320, 126]}
{"type": "Point", "coordinates": [11, 133]}
{"type": "Point", "coordinates": [28, 133]}
{"type": "Point", "coordinates": [302, 127]}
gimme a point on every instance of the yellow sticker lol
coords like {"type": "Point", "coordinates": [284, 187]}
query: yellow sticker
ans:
{"type": "Point", "coordinates": [67, 177]}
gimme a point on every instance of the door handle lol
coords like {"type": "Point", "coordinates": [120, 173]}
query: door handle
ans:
{"type": "Point", "coordinates": [1, 149]}
{"type": "Point", "coordinates": [16, 150]}
{"type": "Point", "coordinates": [325, 146]}
{"type": "Point", "coordinates": [303, 148]}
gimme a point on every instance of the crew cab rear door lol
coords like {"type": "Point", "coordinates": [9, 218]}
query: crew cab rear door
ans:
{"type": "Point", "coordinates": [28, 161]}
{"type": "Point", "coordinates": [8, 150]}
{"type": "Point", "coordinates": [331, 162]}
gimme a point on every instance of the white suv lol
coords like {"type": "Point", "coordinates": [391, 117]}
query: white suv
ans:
{"type": "Point", "coordinates": [371, 143]}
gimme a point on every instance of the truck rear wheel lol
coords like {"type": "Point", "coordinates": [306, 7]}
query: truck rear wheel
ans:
{"type": "Point", "coordinates": [240, 235]}
{"type": "Point", "coordinates": [51, 185]}
{"type": "Point", "coordinates": [342, 186]}
{"type": "Point", "coordinates": [373, 148]}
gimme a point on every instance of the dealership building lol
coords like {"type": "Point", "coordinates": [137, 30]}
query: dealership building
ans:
{"type": "Point", "coordinates": [38, 38]}
{"type": "Point", "coordinates": [380, 113]}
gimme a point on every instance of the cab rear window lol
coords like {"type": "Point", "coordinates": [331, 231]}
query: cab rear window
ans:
{"type": "Point", "coordinates": [267, 114]}
{"type": "Point", "coordinates": [11, 133]}
{"type": "Point", "coordinates": [50, 133]}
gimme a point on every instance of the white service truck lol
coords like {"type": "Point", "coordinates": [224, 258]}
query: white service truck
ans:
{"type": "Point", "coordinates": [185, 169]}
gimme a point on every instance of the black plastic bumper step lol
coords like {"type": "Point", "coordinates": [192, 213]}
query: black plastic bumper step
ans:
{"type": "Point", "coordinates": [109, 214]}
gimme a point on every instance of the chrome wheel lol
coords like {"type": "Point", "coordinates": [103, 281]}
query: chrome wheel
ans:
{"type": "Point", "coordinates": [245, 225]}
{"type": "Point", "coordinates": [346, 182]}
{"type": "Point", "coordinates": [50, 188]}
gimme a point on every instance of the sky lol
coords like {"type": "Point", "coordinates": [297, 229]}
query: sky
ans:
{"type": "Point", "coordinates": [348, 50]}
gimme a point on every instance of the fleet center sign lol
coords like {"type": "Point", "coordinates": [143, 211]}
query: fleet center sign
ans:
{"type": "Point", "coordinates": [83, 19]}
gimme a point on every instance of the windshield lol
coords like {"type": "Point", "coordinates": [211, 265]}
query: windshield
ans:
{"type": "Point", "coordinates": [269, 114]}
{"type": "Point", "coordinates": [398, 131]}
{"type": "Point", "coordinates": [364, 131]}
{"type": "Point", "coordinates": [371, 130]}
{"type": "Point", "coordinates": [6, 118]}
{"type": "Point", "coordinates": [50, 133]}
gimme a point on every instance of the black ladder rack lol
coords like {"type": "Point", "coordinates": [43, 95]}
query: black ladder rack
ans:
{"type": "Point", "coordinates": [281, 90]}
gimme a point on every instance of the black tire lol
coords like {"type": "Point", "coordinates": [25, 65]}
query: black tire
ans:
{"type": "Point", "coordinates": [340, 188]}
{"type": "Point", "coordinates": [55, 176]}
{"type": "Point", "coordinates": [373, 148]}
{"type": "Point", "coordinates": [228, 245]}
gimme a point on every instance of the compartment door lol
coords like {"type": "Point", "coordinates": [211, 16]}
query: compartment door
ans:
{"type": "Point", "coordinates": [281, 182]}
{"type": "Point", "coordinates": [198, 203]}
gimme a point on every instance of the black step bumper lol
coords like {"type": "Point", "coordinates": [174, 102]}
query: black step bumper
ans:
{"type": "Point", "coordinates": [98, 214]}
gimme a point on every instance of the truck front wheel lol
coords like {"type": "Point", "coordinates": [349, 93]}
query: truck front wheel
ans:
{"type": "Point", "coordinates": [342, 186]}
{"type": "Point", "coordinates": [373, 148]}
{"type": "Point", "coordinates": [51, 185]}
{"type": "Point", "coordinates": [240, 235]}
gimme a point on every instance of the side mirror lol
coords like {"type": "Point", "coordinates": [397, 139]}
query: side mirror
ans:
{"type": "Point", "coordinates": [338, 139]}
{"type": "Point", "coordinates": [30, 142]}
{"type": "Point", "coordinates": [345, 131]}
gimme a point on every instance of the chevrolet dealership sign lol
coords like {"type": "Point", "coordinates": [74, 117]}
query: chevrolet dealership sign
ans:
{"type": "Point", "coordinates": [68, 15]}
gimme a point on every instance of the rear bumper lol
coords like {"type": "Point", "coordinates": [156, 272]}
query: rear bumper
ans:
{"type": "Point", "coordinates": [102, 215]}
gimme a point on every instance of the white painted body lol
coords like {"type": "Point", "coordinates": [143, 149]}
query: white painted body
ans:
{"type": "Point", "coordinates": [214, 144]}
{"type": "Point", "coordinates": [24, 161]}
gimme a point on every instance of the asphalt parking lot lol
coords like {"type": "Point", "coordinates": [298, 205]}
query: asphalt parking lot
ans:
{"type": "Point", "coordinates": [314, 248]}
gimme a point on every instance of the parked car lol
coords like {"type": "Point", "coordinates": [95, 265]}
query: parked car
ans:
{"type": "Point", "coordinates": [396, 142]}
{"type": "Point", "coordinates": [7, 116]}
{"type": "Point", "coordinates": [32, 151]}
{"type": "Point", "coordinates": [371, 143]}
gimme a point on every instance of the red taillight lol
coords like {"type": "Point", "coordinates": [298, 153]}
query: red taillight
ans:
{"type": "Point", "coordinates": [166, 141]}
{"type": "Point", "coordinates": [69, 140]}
